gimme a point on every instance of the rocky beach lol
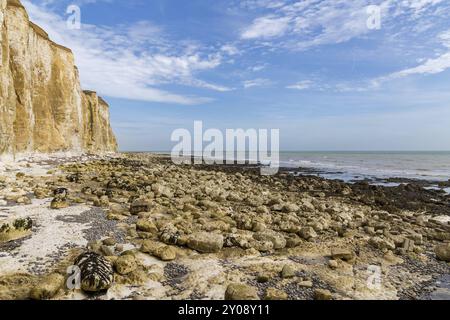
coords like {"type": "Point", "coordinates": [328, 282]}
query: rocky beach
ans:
{"type": "Point", "coordinates": [155, 230]}
{"type": "Point", "coordinates": [81, 221]}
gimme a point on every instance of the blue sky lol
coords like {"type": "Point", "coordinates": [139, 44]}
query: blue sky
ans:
{"type": "Point", "coordinates": [313, 68]}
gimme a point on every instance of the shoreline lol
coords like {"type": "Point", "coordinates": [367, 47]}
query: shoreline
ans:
{"type": "Point", "coordinates": [338, 174]}
{"type": "Point", "coordinates": [327, 231]}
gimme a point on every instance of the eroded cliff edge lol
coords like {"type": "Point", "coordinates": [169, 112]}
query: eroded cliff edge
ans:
{"type": "Point", "coordinates": [42, 106]}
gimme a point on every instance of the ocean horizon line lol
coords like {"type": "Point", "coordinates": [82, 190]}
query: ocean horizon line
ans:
{"type": "Point", "coordinates": [309, 151]}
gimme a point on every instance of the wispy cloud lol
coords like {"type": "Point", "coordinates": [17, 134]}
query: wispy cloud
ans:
{"type": "Point", "coordinates": [428, 66]}
{"type": "Point", "coordinates": [230, 49]}
{"type": "Point", "coordinates": [310, 22]}
{"type": "Point", "coordinates": [267, 27]}
{"type": "Point", "coordinates": [302, 85]}
{"type": "Point", "coordinates": [257, 68]}
{"type": "Point", "coordinates": [260, 82]}
{"type": "Point", "coordinates": [302, 25]}
{"type": "Point", "coordinates": [141, 61]}
{"type": "Point", "coordinates": [132, 61]}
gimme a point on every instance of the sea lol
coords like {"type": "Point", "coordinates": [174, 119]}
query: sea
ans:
{"type": "Point", "coordinates": [353, 166]}
{"type": "Point", "coordinates": [376, 167]}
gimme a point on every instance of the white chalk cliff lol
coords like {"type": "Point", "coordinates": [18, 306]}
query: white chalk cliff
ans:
{"type": "Point", "coordinates": [42, 106]}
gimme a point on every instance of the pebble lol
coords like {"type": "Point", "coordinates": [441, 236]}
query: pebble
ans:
{"type": "Point", "coordinates": [275, 294]}
{"type": "Point", "coordinates": [107, 250]}
{"type": "Point", "coordinates": [308, 233]}
{"type": "Point", "coordinates": [240, 291]}
{"type": "Point", "coordinates": [443, 252]}
{"type": "Point", "coordinates": [288, 272]}
{"type": "Point", "coordinates": [342, 254]}
{"type": "Point", "coordinates": [305, 284]}
{"type": "Point", "coordinates": [263, 278]}
{"type": "Point", "coordinates": [125, 264]}
{"type": "Point", "coordinates": [333, 264]}
{"type": "Point", "coordinates": [109, 242]}
{"type": "Point", "coordinates": [206, 242]}
{"type": "Point", "coordinates": [322, 294]}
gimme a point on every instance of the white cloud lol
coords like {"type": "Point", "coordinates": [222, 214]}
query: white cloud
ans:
{"type": "Point", "coordinates": [257, 68]}
{"type": "Point", "coordinates": [312, 22]}
{"type": "Point", "coordinates": [445, 38]}
{"type": "Point", "coordinates": [266, 27]}
{"type": "Point", "coordinates": [230, 50]}
{"type": "Point", "coordinates": [144, 31]}
{"type": "Point", "coordinates": [428, 66]}
{"type": "Point", "coordinates": [131, 61]}
{"type": "Point", "coordinates": [206, 85]}
{"type": "Point", "coordinates": [302, 85]}
{"type": "Point", "coordinates": [254, 4]}
{"type": "Point", "coordinates": [256, 83]}
{"type": "Point", "coordinates": [421, 5]}
{"type": "Point", "coordinates": [302, 25]}
{"type": "Point", "coordinates": [139, 61]}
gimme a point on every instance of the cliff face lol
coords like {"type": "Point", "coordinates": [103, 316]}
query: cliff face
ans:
{"type": "Point", "coordinates": [42, 106]}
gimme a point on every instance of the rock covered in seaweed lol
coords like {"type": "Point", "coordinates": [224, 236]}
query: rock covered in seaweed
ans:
{"type": "Point", "coordinates": [97, 273]}
{"type": "Point", "coordinates": [60, 199]}
{"type": "Point", "coordinates": [18, 229]}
